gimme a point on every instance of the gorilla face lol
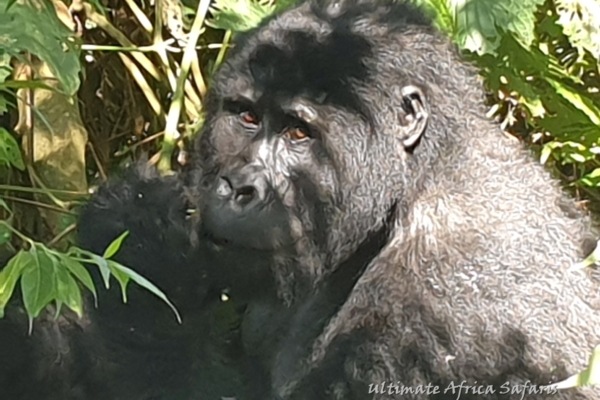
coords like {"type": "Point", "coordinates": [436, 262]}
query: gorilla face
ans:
{"type": "Point", "coordinates": [287, 152]}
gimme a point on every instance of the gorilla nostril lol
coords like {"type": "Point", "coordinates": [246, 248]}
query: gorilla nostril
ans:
{"type": "Point", "coordinates": [224, 188]}
{"type": "Point", "coordinates": [245, 194]}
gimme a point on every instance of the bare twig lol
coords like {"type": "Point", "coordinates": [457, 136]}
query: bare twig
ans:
{"type": "Point", "coordinates": [62, 235]}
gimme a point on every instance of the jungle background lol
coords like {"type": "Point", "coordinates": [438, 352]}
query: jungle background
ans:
{"type": "Point", "coordinates": [89, 87]}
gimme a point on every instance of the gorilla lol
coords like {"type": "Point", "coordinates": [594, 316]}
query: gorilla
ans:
{"type": "Point", "coordinates": [136, 350]}
{"type": "Point", "coordinates": [381, 238]}
{"type": "Point", "coordinates": [412, 243]}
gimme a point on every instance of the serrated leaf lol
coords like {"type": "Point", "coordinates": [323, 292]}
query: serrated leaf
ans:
{"type": "Point", "coordinates": [38, 283]}
{"type": "Point", "coordinates": [9, 276]}
{"type": "Point", "coordinates": [146, 284]}
{"type": "Point", "coordinates": [33, 26]}
{"type": "Point", "coordinates": [82, 274]}
{"type": "Point", "coordinates": [115, 245]}
{"type": "Point", "coordinates": [10, 153]}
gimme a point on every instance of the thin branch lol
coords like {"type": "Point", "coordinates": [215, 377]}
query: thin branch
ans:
{"type": "Point", "coordinates": [171, 133]}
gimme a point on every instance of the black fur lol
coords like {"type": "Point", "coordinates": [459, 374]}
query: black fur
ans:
{"type": "Point", "coordinates": [470, 282]}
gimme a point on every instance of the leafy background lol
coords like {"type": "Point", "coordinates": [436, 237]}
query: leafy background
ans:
{"type": "Point", "coordinates": [88, 87]}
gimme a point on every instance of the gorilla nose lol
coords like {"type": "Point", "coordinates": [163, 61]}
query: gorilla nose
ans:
{"type": "Point", "coordinates": [241, 191]}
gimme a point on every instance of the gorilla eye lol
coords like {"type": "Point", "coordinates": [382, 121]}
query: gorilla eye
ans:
{"type": "Point", "coordinates": [296, 134]}
{"type": "Point", "coordinates": [248, 118]}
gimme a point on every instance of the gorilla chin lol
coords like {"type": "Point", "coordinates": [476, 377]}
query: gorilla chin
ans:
{"type": "Point", "coordinates": [245, 214]}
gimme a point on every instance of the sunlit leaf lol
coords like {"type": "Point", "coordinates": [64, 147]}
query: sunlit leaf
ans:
{"type": "Point", "coordinates": [580, 20]}
{"type": "Point", "coordinates": [243, 15]}
{"type": "Point", "coordinates": [33, 26]}
{"type": "Point", "coordinates": [115, 245]}
{"type": "Point", "coordinates": [577, 99]}
{"type": "Point", "coordinates": [477, 22]}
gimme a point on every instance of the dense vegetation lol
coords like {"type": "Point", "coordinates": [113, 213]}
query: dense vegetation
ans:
{"type": "Point", "coordinates": [88, 87]}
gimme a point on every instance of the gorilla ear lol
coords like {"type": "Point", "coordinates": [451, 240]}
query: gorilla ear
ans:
{"type": "Point", "coordinates": [415, 115]}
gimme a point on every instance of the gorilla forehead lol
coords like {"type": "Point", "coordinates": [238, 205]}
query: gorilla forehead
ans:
{"type": "Point", "coordinates": [317, 50]}
{"type": "Point", "coordinates": [302, 65]}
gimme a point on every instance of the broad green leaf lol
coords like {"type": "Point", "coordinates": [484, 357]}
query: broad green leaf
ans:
{"type": "Point", "coordinates": [10, 153]}
{"type": "Point", "coordinates": [112, 248]}
{"type": "Point", "coordinates": [38, 283]}
{"type": "Point", "coordinates": [33, 26]}
{"type": "Point", "coordinates": [576, 99]}
{"type": "Point", "coordinates": [146, 284]}
{"type": "Point", "coordinates": [9, 276]}
{"type": "Point", "coordinates": [68, 292]}
{"type": "Point", "coordinates": [82, 274]}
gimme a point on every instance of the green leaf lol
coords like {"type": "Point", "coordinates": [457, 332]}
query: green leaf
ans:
{"type": "Point", "coordinates": [121, 277]}
{"type": "Point", "coordinates": [104, 269]}
{"type": "Point", "coordinates": [82, 274]}
{"type": "Point", "coordinates": [10, 153]}
{"type": "Point", "coordinates": [9, 276]}
{"type": "Point", "coordinates": [576, 99]}
{"type": "Point", "coordinates": [478, 21]}
{"type": "Point", "coordinates": [33, 26]}
{"type": "Point", "coordinates": [68, 292]}
{"type": "Point", "coordinates": [38, 283]}
{"type": "Point", "coordinates": [243, 15]}
{"type": "Point", "coordinates": [580, 20]}
{"type": "Point", "coordinates": [113, 247]}
{"type": "Point", "coordinates": [146, 284]}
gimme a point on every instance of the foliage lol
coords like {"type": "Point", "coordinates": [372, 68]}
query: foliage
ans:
{"type": "Point", "coordinates": [243, 15]}
{"type": "Point", "coordinates": [33, 26]}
